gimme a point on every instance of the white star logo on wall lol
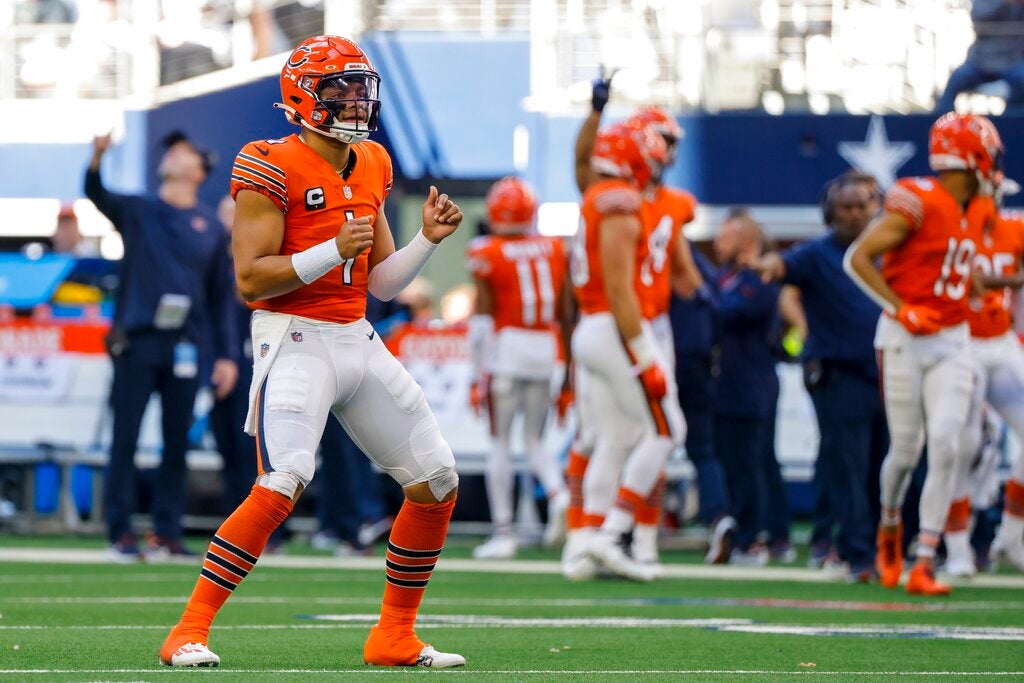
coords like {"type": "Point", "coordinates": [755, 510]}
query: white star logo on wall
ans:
{"type": "Point", "coordinates": [876, 155]}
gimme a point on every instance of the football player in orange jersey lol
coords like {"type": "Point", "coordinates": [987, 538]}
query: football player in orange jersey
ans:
{"type": "Point", "coordinates": [310, 239]}
{"type": "Point", "coordinates": [669, 266]}
{"type": "Point", "coordinates": [928, 236]}
{"type": "Point", "coordinates": [518, 276]}
{"type": "Point", "coordinates": [999, 362]}
{"type": "Point", "coordinates": [623, 391]}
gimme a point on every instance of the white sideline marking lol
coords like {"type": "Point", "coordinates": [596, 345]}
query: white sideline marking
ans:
{"type": "Point", "coordinates": [930, 607]}
{"type": "Point", "coordinates": [361, 621]}
{"type": "Point", "coordinates": [672, 571]}
{"type": "Point", "coordinates": [525, 672]}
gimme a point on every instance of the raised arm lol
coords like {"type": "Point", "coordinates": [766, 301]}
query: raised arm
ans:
{"type": "Point", "coordinates": [110, 204]}
{"type": "Point", "coordinates": [588, 131]}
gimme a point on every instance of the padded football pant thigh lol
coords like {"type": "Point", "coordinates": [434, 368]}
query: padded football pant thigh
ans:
{"type": "Point", "coordinates": [972, 436]}
{"type": "Point", "coordinates": [499, 476]}
{"type": "Point", "coordinates": [616, 436]}
{"type": "Point", "coordinates": [388, 418]}
{"type": "Point", "coordinates": [947, 389]}
{"type": "Point", "coordinates": [293, 405]}
{"type": "Point", "coordinates": [902, 381]}
{"type": "Point", "coordinates": [535, 406]}
{"type": "Point", "coordinates": [586, 413]}
{"type": "Point", "coordinates": [1005, 393]}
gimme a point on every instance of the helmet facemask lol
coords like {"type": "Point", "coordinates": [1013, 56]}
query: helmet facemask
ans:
{"type": "Point", "coordinates": [346, 105]}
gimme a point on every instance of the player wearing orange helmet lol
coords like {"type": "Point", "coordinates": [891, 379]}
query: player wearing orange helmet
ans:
{"type": "Point", "coordinates": [999, 374]}
{"type": "Point", "coordinates": [927, 238]}
{"type": "Point", "coordinates": [623, 389]}
{"type": "Point", "coordinates": [310, 239]}
{"type": "Point", "coordinates": [519, 276]}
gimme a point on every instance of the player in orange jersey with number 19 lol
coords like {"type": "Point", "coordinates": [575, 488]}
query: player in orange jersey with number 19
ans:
{"type": "Point", "coordinates": [624, 391]}
{"type": "Point", "coordinates": [310, 239]}
{"type": "Point", "coordinates": [927, 237]}
{"type": "Point", "coordinates": [519, 277]}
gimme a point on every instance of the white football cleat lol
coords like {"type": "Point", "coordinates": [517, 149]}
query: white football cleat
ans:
{"type": "Point", "coordinates": [1002, 548]}
{"type": "Point", "coordinates": [577, 564]}
{"type": "Point", "coordinates": [960, 566]}
{"type": "Point", "coordinates": [608, 552]}
{"type": "Point", "coordinates": [432, 659]}
{"type": "Point", "coordinates": [193, 654]}
{"type": "Point", "coordinates": [497, 548]}
{"type": "Point", "coordinates": [554, 532]}
{"type": "Point", "coordinates": [959, 554]}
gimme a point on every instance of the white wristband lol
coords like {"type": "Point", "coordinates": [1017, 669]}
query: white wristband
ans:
{"type": "Point", "coordinates": [315, 262]}
{"type": "Point", "coordinates": [642, 350]}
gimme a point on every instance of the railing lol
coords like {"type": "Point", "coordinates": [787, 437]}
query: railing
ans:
{"type": "Point", "coordinates": [780, 55]}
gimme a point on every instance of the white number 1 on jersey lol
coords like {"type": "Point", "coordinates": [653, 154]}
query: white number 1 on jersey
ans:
{"type": "Point", "coordinates": [346, 270]}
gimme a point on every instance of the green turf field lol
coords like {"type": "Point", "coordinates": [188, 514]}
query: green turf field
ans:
{"type": "Point", "coordinates": [79, 621]}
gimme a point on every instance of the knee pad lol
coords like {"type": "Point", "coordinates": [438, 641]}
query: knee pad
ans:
{"type": "Point", "coordinates": [284, 483]}
{"type": "Point", "coordinates": [443, 482]}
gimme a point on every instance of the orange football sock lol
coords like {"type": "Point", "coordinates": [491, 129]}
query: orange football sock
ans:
{"type": "Point", "coordinates": [232, 554]}
{"type": "Point", "coordinates": [575, 469]}
{"type": "Point", "coordinates": [649, 511]}
{"type": "Point", "coordinates": [413, 548]}
{"type": "Point", "coordinates": [1014, 498]}
{"type": "Point", "coordinates": [959, 517]}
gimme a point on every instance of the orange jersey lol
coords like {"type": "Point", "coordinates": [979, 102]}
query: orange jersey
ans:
{"type": "Point", "coordinates": [602, 200]}
{"type": "Point", "coordinates": [316, 201]}
{"type": "Point", "coordinates": [933, 266]}
{"type": "Point", "coordinates": [1000, 253]}
{"type": "Point", "coordinates": [668, 210]}
{"type": "Point", "coordinates": [525, 274]}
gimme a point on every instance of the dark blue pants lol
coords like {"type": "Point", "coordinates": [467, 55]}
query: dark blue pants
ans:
{"type": "Point", "coordinates": [693, 376]}
{"type": "Point", "coordinates": [969, 76]}
{"type": "Point", "coordinates": [236, 448]}
{"type": "Point", "coordinates": [854, 440]}
{"type": "Point", "coordinates": [148, 366]}
{"type": "Point", "coordinates": [349, 492]}
{"type": "Point", "coordinates": [775, 505]}
{"type": "Point", "coordinates": [739, 443]}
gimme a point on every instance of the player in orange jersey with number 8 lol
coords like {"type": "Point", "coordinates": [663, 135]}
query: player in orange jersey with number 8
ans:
{"type": "Point", "coordinates": [310, 239]}
{"type": "Point", "coordinates": [927, 238]}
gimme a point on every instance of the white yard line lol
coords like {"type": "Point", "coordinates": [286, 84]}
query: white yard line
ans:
{"type": "Point", "coordinates": [361, 621]}
{"type": "Point", "coordinates": [530, 672]}
{"type": "Point", "coordinates": [672, 571]}
{"type": "Point", "coordinates": [813, 605]}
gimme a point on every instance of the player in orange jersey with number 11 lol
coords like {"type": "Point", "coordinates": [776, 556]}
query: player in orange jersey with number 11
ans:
{"type": "Point", "coordinates": [310, 239]}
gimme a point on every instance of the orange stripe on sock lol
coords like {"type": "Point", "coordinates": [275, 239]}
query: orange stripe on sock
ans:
{"type": "Point", "coordinates": [650, 512]}
{"type": "Point", "coordinates": [629, 500]}
{"type": "Point", "coordinates": [577, 464]}
{"type": "Point", "coordinates": [575, 470]}
{"type": "Point", "coordinates": [959, 516]}
{"type": "Point", "coordinates": [419, 528]}
{"type": "Point", "coordinates": [1014, 498]}
{"type": "Point", "coordinates": [592, 521]}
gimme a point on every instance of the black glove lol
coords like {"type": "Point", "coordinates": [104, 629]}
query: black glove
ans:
{"type": "Point", "coordinates": [602, 90]}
